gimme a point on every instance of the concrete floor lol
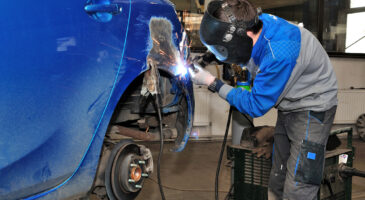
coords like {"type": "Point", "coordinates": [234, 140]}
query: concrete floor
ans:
{"type": "Point", "coordinates": [358, 183]}
{"type": "Point", "coordinates": [190, 174]}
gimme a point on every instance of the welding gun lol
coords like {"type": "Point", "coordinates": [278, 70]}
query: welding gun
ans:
{"type": "Point", "coordinates": [193, 68]}
{"type": "Point", "coordinates": [236, 74]}
{"type": "Point", "coordinates": [205, 59]}
{"type": "Point", "coordinates": [202, 61]}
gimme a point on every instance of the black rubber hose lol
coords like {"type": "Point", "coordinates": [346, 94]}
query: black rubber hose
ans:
{"type": "Point", "coordinates": [346, 171]}
{"type": "Point", "coordinates": [229, 194]}
{"type": "Point", "coordinates": [359, 173]}
{"type": "Point", "coordinates": [221, 153]}
{"type": "Point", "coordinates": [158, 108]}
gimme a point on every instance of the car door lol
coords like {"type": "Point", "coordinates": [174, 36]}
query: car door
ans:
{"type": "Point", "coordinates": [59, 61]}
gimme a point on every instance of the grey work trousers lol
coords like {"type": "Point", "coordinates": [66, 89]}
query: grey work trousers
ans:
{"type": "Point", "coordinates": [298, 157]}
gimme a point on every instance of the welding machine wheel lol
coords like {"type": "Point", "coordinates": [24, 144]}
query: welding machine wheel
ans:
{"type": "Point", "coordinates": [126, 170]}
{"type": "Point", "coordinates": [360, 126]}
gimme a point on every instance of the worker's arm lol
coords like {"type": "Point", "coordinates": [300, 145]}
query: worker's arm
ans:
{"type": "Point", "coordinates": [268, 85]}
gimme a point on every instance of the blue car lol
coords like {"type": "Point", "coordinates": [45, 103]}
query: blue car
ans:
{"type": "Point", "coordinates": [77, 79]}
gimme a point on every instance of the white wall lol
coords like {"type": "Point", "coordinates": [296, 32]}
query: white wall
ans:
{"type": "Point", "coordinates": [211, 111]}
{"type": "Point", "coordinates": [350, 72]}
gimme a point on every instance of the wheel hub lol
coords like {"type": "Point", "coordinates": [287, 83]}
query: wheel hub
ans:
{"type": "Point", "coordinates": [129, 165]}
{"type": "Point", "coordinates": [132, 173]}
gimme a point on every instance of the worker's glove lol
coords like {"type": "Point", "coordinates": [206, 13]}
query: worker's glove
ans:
{"type": "Point", "coordinates": [200, 76]}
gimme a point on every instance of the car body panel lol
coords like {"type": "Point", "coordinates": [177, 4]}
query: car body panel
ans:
{"type": "Point", "coordinates": [62, 72]}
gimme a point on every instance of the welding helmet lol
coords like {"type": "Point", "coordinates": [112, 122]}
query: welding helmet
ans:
{"type": "Point", "coordinates": [228, 41]}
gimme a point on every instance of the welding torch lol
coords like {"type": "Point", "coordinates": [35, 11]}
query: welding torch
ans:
{"type": "Point", "coordinates": [193, 68]}
{"type": "Point", "coordinates": [201, 61]}
{"type": "Point", "coordinates": [197, 62]}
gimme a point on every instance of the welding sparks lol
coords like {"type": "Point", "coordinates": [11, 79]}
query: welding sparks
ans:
{"type": "Point", "coordinates": [181, 68]}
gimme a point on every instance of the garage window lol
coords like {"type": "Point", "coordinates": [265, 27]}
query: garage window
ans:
{"type": "Point", "coordinates": [338, 24]}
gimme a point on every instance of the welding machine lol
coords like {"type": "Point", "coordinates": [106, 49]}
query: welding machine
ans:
{"type": "Point", "coordinates": [251, 174]}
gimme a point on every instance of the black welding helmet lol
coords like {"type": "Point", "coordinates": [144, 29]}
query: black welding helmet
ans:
{"type": "Point", "coordinates": [228, 41]}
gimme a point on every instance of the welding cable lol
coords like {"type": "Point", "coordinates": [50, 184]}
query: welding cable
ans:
{"type": "Point", "coordinates": [158, 108]}
{"type": "Point", "coordinates": [229, 194]}
{"type": "Point", "coordinates": [221, 153]}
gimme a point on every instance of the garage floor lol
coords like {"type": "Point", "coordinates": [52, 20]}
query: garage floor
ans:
{"type": "Point", "coordinates": [190, 174]}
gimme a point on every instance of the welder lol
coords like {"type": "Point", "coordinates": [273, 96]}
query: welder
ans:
{"type": "Point", "coordinates": [291, 72]}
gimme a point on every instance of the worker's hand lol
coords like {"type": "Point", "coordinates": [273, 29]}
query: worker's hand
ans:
{"type": "Point", "coordinates": [201, 76]}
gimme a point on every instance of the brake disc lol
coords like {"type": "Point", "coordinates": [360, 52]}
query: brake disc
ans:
{"type": "Point", "coordinates": [128, 165]}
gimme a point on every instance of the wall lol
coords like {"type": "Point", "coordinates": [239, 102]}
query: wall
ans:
{"type": "Point", "coordinates": [350, 72]}
{"type": "Point", "coordinates": [211, 111]}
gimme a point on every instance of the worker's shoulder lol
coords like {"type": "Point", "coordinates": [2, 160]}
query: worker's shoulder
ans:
{"type": "Point", "coordinates": [278, 50]}
{"type": "Point", "coordinates": [276, 28]}
{"type": "Point", "coordinates": [282, 38]}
